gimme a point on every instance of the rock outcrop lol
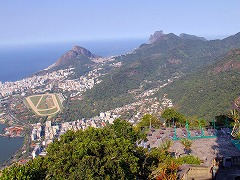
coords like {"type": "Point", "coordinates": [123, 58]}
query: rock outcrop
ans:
{"type": "Point", "coordinates": [156, 36]}
{"type": "Point", "coordinates": [76, 53]}
{"type": "Point", "coordinates": [84, 52]}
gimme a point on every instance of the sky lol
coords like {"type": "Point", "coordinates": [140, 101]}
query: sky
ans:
{"type": "Point", "coordinates": [53, 21]}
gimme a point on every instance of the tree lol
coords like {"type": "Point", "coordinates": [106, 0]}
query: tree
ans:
{"type": "Point", "coordinates": [234, 114]}
{"type": "Point", "coordinates": [166, 146]}
{"type": "Point", "coordinates": [96, 153]}
{"type": "Point", "coordinates": [103, 153]}
{"type": "Point", "coordinates": [221, 120]}
{"type": "Point", "coordinates": [34, 169]}
{"type": "Point", "coordinates": [123, 129]}
{"type": "Point", "coordinates": [148, 120]}
{"type": "Point", "coordinates": [187, 145]}
{"type": "Point", "coordinates": [167, 171]}
{"type": "Point", "coordinates": [174, 117]}
{"type": "Point", "coordinates": [195, 122]}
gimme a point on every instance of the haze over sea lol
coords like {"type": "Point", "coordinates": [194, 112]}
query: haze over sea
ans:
{"type": "Point", "coordinates": [18, 62]}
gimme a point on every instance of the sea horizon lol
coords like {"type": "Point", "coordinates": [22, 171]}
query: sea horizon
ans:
{"type": "Point", "coordinates": [20, 61]}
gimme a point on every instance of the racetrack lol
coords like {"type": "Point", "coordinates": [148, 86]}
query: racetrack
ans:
{"type": "Point", "coordinates": [50, 108]}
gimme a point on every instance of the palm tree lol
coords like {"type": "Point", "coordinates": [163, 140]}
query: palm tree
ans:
{"type": "Point", "coordinates": [234, 114]}
{"type": "Point", "coordinates": [166, 171]}
{"type": "Point", "coordinates": [187, 145]}
{"type": "Point", "coordinates": [166, 145]}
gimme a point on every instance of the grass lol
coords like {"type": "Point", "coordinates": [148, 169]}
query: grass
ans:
{"type": "Point", "coordinates": [58, 100]}
{"type": "Point", "coordinates": [35, 99]}
{"type": "Point", "coordinates": [44, 104]}
{"type": "Point", "coordinates": [49, 102]}
{"type": "Point", "coordinates": [48, 111]}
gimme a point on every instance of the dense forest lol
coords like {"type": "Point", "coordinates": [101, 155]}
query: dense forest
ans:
{"type": "Point", "coordinates": [209, 92]}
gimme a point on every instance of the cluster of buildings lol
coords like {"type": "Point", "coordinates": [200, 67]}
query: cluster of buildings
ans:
{"type": "Point", "coordinates": [83, 83]}
{"type": "Point", "coordinates": [43, 83]}
{"type": "Point", "coordinates": [13, 131]}
{"type": "Point", "coordinates": [36, 83]}
{"type": "Point", "coordinates": [51, 132]}
{"type": "Point", "coordinates": [142, 107]}
{"type": "Point", "coordinates": [36, 132]}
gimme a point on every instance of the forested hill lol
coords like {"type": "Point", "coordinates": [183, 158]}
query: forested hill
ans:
{"type": "Point", "coordinates": [209, 92]}
{"type": "Point", "coordinates": [168, 56]}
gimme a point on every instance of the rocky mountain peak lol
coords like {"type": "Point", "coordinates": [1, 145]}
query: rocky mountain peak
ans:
{"type": "Point", "coordinates": [156, 36]}
{"type": "Point", "coordinates": [82, 51]}
{"type": "Point", "coordinates": [73, 55]}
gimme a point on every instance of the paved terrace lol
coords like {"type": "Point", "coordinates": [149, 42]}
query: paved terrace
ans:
{"type": "Point", "coordinates": [205, 148]}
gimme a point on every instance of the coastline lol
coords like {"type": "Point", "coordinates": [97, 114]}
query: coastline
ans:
{"type": "Point", "coordinates": [15, 61]}
{"type": "Point", "coordinates": [14, 67]}
{"type": "Point", "coordinates": [10, 147]}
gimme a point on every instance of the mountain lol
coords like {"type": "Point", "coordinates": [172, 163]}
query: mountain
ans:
{"type": "Point", "coordinates": [156, 36]}
{"type": "Point", "coordinates": [159, 35]}
{"type": "Point", "coordinates": [191, 37]}
{"type": "Point", "coordinates": [76, 54]}
{"type": "Point", "coordinates": [152, 64]}
{"type": "Point", "coordinates": [79, 58]}
{"type": "Point", "coordinates": [208, 92]}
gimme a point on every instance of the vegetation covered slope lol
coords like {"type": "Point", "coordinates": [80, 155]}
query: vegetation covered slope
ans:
{"type": "Point", "coordinates": [169, 56]}
{"type": "Point", "coordinates": [209, 92]}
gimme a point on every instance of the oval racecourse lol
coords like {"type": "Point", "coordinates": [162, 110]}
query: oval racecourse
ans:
{"type": "Point", "coordinates": [44, 104]}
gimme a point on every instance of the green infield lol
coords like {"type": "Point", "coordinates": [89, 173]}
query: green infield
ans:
{"type": "Point", "coordinates": [45, 104]}
{"type": "Point", "coordinates": [49, 112]}
{"type": "Point", "coordinates": [35, 99]}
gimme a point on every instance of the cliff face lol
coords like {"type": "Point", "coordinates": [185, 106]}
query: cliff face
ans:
{"type": "Point", "coordinates": [64, 59]}
{"type": "Point", "coordinates": [82, 51]}
{"type": "Point", "coordinates": [75, 54]}
{"type": "Point", "coordinates": [156, 36]}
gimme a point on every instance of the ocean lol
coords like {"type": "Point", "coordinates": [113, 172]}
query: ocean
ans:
{"type": "Point", "coordinates": [18, 62]}
{"type": "Point", "coordinates": [8, 146]}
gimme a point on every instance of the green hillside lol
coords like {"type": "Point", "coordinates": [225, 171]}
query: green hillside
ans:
{"type": "Point", "coordinates": [209, 92]}
{"type": "Point", "coordinates": [154, 63]}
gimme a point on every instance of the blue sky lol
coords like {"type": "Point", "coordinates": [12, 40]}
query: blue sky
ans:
{"type": "Point", "coordinates": [44, 21]}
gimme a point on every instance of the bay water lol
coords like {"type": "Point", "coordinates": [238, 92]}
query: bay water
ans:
{"type": "Point", "coordinates": [8, 146]}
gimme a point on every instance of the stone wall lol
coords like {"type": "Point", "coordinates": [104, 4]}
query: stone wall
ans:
{"type": "Point", "coordinates": [197, 172]}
